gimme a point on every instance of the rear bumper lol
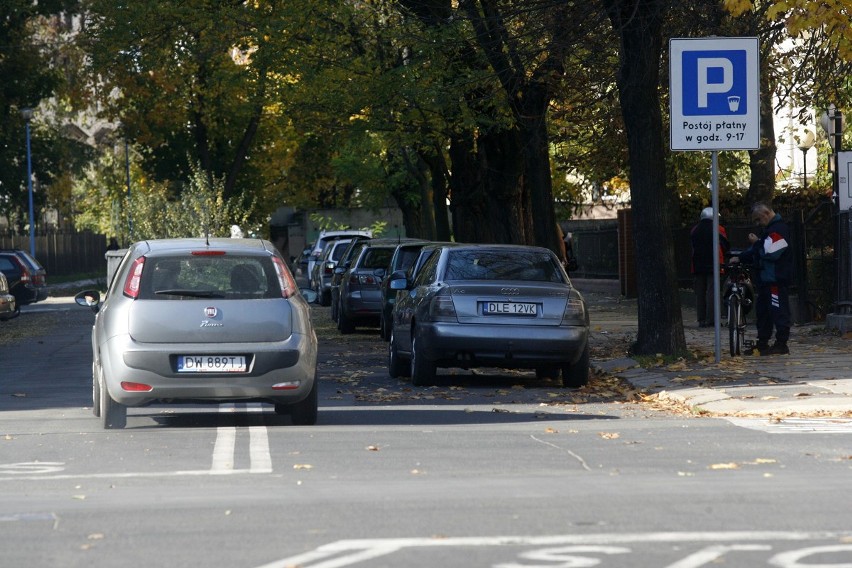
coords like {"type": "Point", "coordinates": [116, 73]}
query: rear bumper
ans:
{"type": "Point", "coordinates": [451, 344]}
{"type": "Point", "coordinates": [292, 361]}
{"type": "Point", "coordinates": [7, 304]}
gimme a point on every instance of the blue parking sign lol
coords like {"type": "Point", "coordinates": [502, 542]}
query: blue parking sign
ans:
{"type": "Point", "coordinates": [714, 83]}
{"type": "Point", "coordinates": [714, 93]}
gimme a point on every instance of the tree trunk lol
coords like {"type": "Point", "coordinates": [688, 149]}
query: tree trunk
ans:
{"type": "Point", "coordinates": [762, 161]}
{"type": "Point", "coordinates": [639, 23]}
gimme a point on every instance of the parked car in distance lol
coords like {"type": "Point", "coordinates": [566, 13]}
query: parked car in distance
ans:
{"type": "Point", "coordinates": [326, 237]}
{"type": "Point", "coordinates": [202, 321]}
{"type": "Point", "coordinates": [300, 263]}
{"type": "Point", "coordinates": [360, 289]}
{"type": "Point", "coordinates": [8, 308]}
{"type": "Point", "coordinates": [509, 306]}
{"type": "Point", "coordinates": [403, 258]}
{"type": "Point", "coordinates": [324, 270]}
{"type": "Point", "coordinates": [27, 277]}
{"type": "Point", "coordinates": [352, 251]}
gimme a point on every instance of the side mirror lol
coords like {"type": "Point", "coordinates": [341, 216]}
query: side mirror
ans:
{"type": "Point", "coordinates": [339, 269]}
{"type": "Point", "coordinates": [89, 299]}
{"type": "Point", "coordinates": [309, 295]}
{"type": "Point", "coordinates": [398, 281]}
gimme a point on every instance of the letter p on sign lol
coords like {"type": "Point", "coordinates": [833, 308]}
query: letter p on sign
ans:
{"type": "Point", "coordinates": [704, 83]}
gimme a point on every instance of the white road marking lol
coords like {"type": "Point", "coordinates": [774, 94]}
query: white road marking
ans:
{"type": "Point", "coordinates": [222, 463]}
{"type": "Point", "coordinates": [226, 441]}
{"type": "Point", "coordinates": [349, 552]}
{"type": "Point", "coordinates": [796, 425]}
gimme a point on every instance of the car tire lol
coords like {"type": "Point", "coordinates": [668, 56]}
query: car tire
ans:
{"type": "Point", "coordinates": [397, 367]}
{"type": "Point", "coordinates": [96, 393]}
{"type": "Point", "coordinates": [11, 315]}
{"type": "Point", "coordinates": [577, 375]}
{"type": "Point", "coordinates": [344, 324]}
{"type": "Point", "coordinates": [304, 412]}
{"type": "Point", "coordinates": [334, 310]}
{"type": "Point", "coordinates": [113, 413]}
{"type": "Point", "coordinates": [423, 370]}
{"type": "Point", "coordinates": [548, 372]}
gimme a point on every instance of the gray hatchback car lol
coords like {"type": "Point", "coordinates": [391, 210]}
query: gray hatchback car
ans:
{"type": "Point", "coordinates": [510, 306]}
{"type": "Point", "coordinates": [202, 321]}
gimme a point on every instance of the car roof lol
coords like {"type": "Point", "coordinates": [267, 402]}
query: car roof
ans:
{"type": "Point", "coordinates": [217, 243]}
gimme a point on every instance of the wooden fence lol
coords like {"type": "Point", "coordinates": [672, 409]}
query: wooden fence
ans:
{"type": "Point", "coordinates": [64, 254]}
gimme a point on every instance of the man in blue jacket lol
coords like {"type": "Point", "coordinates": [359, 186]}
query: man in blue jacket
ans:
{"type": "Point", "coordinates": [773, 259]}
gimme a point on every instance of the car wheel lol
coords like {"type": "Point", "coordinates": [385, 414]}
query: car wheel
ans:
{"type": "Point", "coordinates": [548, 372]}
{"type": "Point", "coordinates": [334, 310]}
{"type": "Point", "coordinates": [397, 367]}
{"type": "Point", "coordinates": [113, 413]}
{"type": "Point", "coordinates": [422, 369]}
{"type": "Point", "coordinates": [304, 412]}
{"type": "Point", "coordinates": [96, 392]}
{"type": "Point", "coordinates": [12, 314]}
{"type": "Point", "coordinates": [383, 328]}
{"type": "Point", "coordinates": [577, 375]}
{"type": "Point", "coordinates": [344, 324]}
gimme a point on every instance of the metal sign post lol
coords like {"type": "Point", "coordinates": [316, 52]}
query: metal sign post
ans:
{"type": "Point", "coordinates": [715, 105]}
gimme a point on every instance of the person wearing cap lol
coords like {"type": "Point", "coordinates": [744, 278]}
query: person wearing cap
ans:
{"type": "Point", "coordinates": [702, 265]}
{"type": "Point", "coordinates": [772, 256]}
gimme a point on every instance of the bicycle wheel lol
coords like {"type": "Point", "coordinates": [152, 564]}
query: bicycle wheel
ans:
{"type": "Point", "coordinates": [734, 326]}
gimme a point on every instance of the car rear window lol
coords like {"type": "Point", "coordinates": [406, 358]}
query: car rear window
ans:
{"type": "Point", "coordinates": [377, 258]}
{"type": "Point", "coordinates": [515, 264]}
{"type": "Point", "coordinates": [227, 276]}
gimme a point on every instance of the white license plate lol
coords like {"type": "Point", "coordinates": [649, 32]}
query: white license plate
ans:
{"type": "Point", "coordinates": [509, 308]}
{"type": "Point", "coordinates": [211, 364]}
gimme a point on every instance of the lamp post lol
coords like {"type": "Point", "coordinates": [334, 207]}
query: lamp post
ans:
{"type": "Point", "coordinates": [805, 144]}
{"type": "Point", "coordinates": [27, 114]}
{"type": "Point", "coordinates": [832, 122]}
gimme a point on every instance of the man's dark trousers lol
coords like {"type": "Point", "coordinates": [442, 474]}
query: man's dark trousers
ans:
{"type": "Point", "coordinates": [773, 309]}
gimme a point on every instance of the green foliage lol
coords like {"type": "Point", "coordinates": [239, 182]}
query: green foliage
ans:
{"type": "Point", "coordinates": [328, 224]}
{"type": "Point", "coordinates": [202, 210]}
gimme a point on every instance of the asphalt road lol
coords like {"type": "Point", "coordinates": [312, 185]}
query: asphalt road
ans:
{"type": "Point", "coordinates": [484, 469]}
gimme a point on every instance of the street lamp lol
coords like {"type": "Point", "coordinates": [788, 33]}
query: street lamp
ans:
{"type": "Point", "coordinates": [805, 144]}
{"type": "Point", "coordinates": [832, 122]}
{"type": "Point", "coordinates": [27, 114]}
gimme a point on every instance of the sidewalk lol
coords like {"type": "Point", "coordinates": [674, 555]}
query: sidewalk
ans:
{"type": "Point", "coordinates": [815, 380]}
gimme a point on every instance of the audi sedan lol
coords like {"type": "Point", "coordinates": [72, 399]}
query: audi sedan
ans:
{"type": "Point", "coordinates": [507, 306]}
{"type": "Point", "coordinates": [202, 321]}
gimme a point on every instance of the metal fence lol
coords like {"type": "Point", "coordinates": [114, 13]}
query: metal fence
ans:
{"type": "Point", "coordinates": [63, 254]}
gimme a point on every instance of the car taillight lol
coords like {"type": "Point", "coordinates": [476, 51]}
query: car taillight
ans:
{"type": "Point", "coordinates": [285, 279]}
{"type": "Point", "coordinates": [328, 270]}
{"type": "Point", "coordinates": [38, 280]}
{"type": "Point", "coordinates": [442, 307]}
{"type": "Point", "coordinates": [368, 279]}
{"type": "Point", "coordinates": [25, 275]}
{"type": "Point", "coordinates": [575, 312]}
{"type": "Point", "coordinates": [131, 283]}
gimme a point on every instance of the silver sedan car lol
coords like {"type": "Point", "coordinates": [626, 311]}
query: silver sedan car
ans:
{"type": "Point", "coordinates": [508, 306]}
{"type": "Point", "coordinates": [202, 321]}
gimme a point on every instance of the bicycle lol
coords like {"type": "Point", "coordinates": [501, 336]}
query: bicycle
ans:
{"type": "Point", "coordinates": [739, 297]}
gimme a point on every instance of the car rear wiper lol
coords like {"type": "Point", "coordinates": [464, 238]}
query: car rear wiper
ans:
{"type": "Point", "coordinates": [192, 293]}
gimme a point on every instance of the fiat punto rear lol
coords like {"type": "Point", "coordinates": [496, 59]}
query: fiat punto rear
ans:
{"type": "Point", "coordinates": [202, 321]}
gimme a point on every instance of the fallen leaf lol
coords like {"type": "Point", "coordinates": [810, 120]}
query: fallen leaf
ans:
{"type": "Point", "coordinates": [551, 431]}
{"type": "Point", "coordinates": [373, 448]}
{"type": "Point", "coordinates": [802, 394]}
{"type": "Point", "coordinates": [725, 466]}
{"type": "Point", "coordinates": [609, 435]}
{"type": "Point", "coordinates": [95, 536]}
{"type": "Point", "coordinates": [303, 466]}
{"type": "Point", "coordinates": [769, 398]}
